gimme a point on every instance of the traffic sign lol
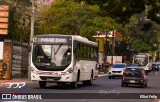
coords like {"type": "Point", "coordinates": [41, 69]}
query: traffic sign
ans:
{"type": "Point", "coordinates": [125, 57]}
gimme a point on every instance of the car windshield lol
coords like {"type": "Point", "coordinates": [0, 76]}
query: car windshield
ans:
{"type": "Point", "coordinates": [155, 65]}
{"type": "Point", "coordinates": [133, 72]}
{"type": "Point", "coordinates": [132, 65]}
{"type": "Point", "coordinates": [118, 66]}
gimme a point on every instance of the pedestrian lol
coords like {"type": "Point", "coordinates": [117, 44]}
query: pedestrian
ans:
{"type": "Point", "coordinates": [102, 65]}
{"type": "Point", "coordinates": [97, 65]}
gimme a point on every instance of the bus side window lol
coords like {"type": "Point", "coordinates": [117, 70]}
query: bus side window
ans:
{"type": "Point", "coordinates": [75, 46]}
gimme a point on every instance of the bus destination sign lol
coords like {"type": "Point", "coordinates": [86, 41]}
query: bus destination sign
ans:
{"type": "Point", "coordinates": [53, 40]}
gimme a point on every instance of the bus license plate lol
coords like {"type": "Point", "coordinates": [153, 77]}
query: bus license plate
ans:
{"type": "Point", "coordinates": [132, 81]}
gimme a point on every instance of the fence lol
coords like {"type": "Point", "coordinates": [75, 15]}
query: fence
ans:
{"type": "Point", "coordinates": [15, 56]}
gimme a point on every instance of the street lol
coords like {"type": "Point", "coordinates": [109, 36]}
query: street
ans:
{"type": "Point", "coordinates": [101, 85]}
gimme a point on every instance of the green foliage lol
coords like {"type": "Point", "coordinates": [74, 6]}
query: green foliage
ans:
{"type": "Point", "coordinates": [68, 17]}
{"type": "Point", "coordinates": [19, 25]}
{"type": "Point", "coordinates": [122, 10]}
{"type": "Point", "coordinates": [153, 9]}
{"type": "Point", "coordinates": [135, 19]}
{"type": "Point", "coordinates": [144, 34]}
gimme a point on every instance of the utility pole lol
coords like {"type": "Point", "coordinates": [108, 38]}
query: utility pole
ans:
{"type": "Point", "coordinates": [32, 20]}
{"type": "Point", "coordinates": [113, 45]}
{"type": "Point", "coordinates": [106, 51]}
{"type": "Point", "coordinates": [31, 35]}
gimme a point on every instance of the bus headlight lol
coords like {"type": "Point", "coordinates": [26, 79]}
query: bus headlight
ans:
{"type": "Point", "coordinates": [33, 70]}
{"type": "Point", "coordinates": [70, 70]}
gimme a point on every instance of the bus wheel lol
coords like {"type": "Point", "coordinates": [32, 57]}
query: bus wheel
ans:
{"type": "Point", "coordinates": [85, 83]}
{"type": "Point", "coordinates": [90, 82]}
{"type": "Point", "coordinates": [42, 84]}
{"type": "Point", "coordinates": [74, 85]}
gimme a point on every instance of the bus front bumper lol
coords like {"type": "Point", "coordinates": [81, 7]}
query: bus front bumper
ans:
{"type": "Point", "coordinates": [52, 78]}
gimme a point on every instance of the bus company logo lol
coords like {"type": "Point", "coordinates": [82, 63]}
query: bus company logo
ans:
{"type": "Point", "coordinates": [16, 85]}
{"type": "Point", "coordinates": [12, 84]}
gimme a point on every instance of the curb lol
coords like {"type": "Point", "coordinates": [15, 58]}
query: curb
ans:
{"type": "Point", "coordinates": [102, 75]}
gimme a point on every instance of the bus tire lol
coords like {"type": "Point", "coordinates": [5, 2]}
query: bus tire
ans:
{"type": "Point", "coordinates": [109, 77]}
{"type": "Point", "coordinates": [42, 84]}
{"type": "Point", "coordinates": [146, 72]}
{"type": "Point", "coordinates": [90, 82]}
{"type": "Point", "coordinates": [85, 83]}
{"type": "Point", "coordinates": [75, 84]}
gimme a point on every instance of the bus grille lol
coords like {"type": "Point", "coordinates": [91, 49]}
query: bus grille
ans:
{"type": "Point", "coordinates": [46, 77]}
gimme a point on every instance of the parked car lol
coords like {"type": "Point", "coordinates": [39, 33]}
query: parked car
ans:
{"type": "Point", "coordinates": [116, 70]}
{"type": "Point", "coordinates": [135, 76]}
{"type": "Point", "coordinates": [132, 65]}
{"type": "Point", "coordinates": [156, 66]}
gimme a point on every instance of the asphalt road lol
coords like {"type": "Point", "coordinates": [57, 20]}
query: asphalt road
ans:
{"type": "Point", "coordinates": [102, 86]}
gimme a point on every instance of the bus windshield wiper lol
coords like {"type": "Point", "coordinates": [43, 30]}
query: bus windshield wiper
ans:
{"type": "Point", "coordinates": [58, 48]}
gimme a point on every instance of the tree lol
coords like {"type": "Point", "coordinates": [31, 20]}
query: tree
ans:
{"type": "Point", "coordinates": [153, 9]}
{"type": "Point", "coordinates": [122, 10]}
{"type": "Point", "coordinates": [19, 23]}
{"type": "Point", "coordinates": [68, 17]}
{"type": "Point", "coordinates": [144, 34]}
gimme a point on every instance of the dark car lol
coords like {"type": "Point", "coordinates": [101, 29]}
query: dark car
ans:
{"type": "Point", "coordinates": [134, 76]}
{"type": "Point", "coordinates": [156, 66]}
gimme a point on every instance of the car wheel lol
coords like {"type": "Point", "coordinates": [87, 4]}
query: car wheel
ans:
{"type": "Point", "coordinates": [126, 84]}
{"type": "Point", "coordinates": [109, 77]}
{"type": "Point", "coordinates": [122, 84]}
{"type": "Point", "coordinates": [146, 85]}
{"type": "Point", "coordinates": [143, 85]}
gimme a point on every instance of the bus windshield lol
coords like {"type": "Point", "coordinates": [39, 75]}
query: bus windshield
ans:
{"type": "Point", "coordinates": [51, 57]}
{"type": "Point", "coordinates": [141, 60]}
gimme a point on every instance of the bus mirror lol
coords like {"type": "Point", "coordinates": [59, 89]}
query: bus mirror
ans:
{"type": "Point", "coordinates": [29, 48]}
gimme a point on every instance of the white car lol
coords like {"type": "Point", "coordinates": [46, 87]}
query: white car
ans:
{"type": "Point", "coordinates": [116, 70]}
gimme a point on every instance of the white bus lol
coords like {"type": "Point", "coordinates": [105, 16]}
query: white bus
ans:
{"type": "Point", "coordinates": [144, 60]}
{"type": "Point", "coordinates": [63, 59]}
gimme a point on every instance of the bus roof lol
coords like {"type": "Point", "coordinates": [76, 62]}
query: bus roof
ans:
{"type": "Point", "coordinates": [74, 37]}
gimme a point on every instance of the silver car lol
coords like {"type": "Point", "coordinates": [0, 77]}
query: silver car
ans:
{"type": "Point", "coordinates": [116, 70]}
